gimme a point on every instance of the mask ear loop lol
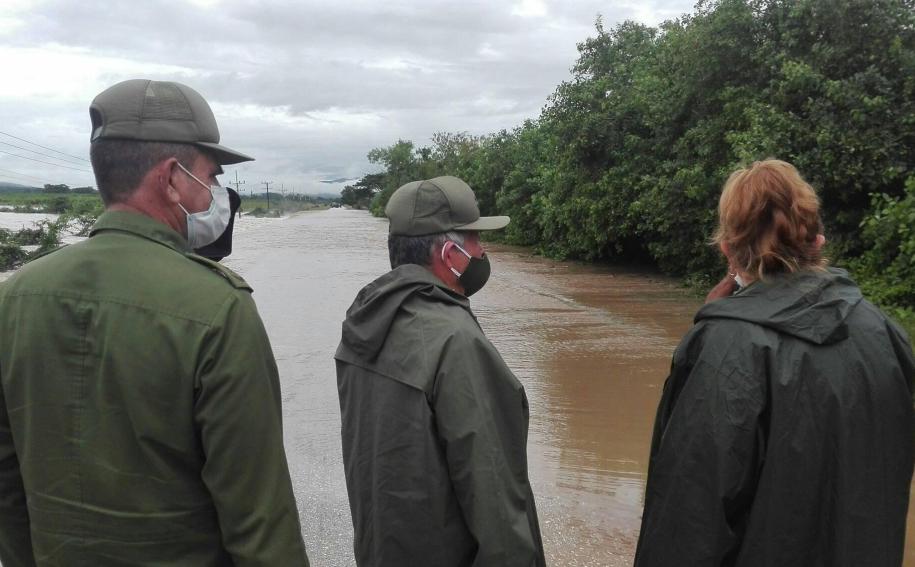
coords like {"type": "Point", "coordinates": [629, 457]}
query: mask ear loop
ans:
{"type": "Point", "coordinates": [194, 177]}
{"type": "Point", "coordinates": [453, 271]}
{"type": "Point", "coordinates": [184, 169]}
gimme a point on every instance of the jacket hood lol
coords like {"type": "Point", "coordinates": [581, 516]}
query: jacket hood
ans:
{"type": "Point", "coordinates": [371, 315]}
{"type": "Point", "coordinates": [809, 305]}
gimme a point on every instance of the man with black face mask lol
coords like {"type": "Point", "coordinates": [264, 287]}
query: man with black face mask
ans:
{"type": "Point", "coordinates": [222, 246]}
{"type": "Point", "coordinates": [434, 422]}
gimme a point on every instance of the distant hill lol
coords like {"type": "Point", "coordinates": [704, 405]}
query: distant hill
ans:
{"type": "Point", "coordinates": [6, 187]}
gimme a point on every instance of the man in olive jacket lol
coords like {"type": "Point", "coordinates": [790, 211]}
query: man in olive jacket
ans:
{"type": "Point", "coordinates": [140, 417]}
{"type": "Point", "coordinates": [434, 422]}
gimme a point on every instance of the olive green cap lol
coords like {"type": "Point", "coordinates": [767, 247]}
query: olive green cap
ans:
{"type": "Point", "coordinates": [437, 205]}
{"type": "Point", "coordinates": [158, 111]}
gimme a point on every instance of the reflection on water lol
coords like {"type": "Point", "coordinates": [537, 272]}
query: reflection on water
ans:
{"type": "Point", "coordinates": [592, 346]}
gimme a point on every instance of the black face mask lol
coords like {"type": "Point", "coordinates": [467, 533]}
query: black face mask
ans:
{"type": "Point", "coordinates": [222, 246]}
{"type": "Point", "coordinates": [475, 275]}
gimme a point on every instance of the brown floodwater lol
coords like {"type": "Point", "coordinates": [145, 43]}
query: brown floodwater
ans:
{"type": "Point", "coordinates": [592, 346]}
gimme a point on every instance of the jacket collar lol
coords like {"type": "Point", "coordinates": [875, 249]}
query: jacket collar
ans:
{"type": "Point", "coordinates": [417, 273]}
{"type": "Point", "coordinates": [377, 307]}
{"type": "Point", "coordinates": [812, 305]}
{"type": "Point", "coordinates": [140, 225]}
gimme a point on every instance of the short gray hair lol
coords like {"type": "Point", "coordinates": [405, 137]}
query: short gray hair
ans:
{"type": "Point", "coordinates": [418, 249]}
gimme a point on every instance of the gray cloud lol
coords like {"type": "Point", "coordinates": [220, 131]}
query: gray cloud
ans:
{"type": "Point", "coordinates": [310, 87]}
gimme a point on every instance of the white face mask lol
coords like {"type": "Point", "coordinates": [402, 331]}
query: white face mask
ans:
{"type": "Point", "coordinates": [206, 226]}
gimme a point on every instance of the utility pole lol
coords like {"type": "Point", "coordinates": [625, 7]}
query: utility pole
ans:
{"type": "Point", "coordinates": [237, 183]}
{"type": "Point", "coordinates": [238, 189]}
{"type": "Point", "coordinates": [267, 183]}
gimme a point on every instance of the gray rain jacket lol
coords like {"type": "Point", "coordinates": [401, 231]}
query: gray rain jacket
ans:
{"type": "Point", "coordinates": [784, 436]}
{"type": "Point", "coordinates": [434, 432]}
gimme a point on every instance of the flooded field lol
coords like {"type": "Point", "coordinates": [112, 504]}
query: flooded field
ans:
{"type": "Point", "coordinates": [18, 221]}
{"type": "Point", "coordinates": [592, 346]}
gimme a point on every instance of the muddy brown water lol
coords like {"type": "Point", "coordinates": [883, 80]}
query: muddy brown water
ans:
{"type": "Point", "coordinates": [592, 346]}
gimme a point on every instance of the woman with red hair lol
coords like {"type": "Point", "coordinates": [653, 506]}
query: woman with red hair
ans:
{"type": "Point", "coordinates": [785, 435]}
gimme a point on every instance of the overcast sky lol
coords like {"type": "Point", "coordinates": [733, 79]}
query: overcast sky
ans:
{"type": "Point", "coordinates": [306, 87]}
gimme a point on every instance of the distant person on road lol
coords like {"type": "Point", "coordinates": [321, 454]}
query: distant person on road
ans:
{"type": "Point", "coordinates": [785, 435]}
{"type": "Point", "coordinates": [140, 418]}
{"type": "Point", "coordinates": [434, 423]}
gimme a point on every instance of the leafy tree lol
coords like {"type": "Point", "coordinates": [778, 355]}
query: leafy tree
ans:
{"type": "Point", "coordinates": [359, 196]}
{"type": "Point", "coordinates": [888, 264]}
{"type": "Point", "coordinates": [58, 205]}
{"type": "Point", "coordinates": [627, 159]}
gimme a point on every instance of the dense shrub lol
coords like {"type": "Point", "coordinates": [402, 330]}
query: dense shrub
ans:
{"type": "Point", "coordinates": [886, 270]}
{"type": "Point", "coordinates": [627, 159]}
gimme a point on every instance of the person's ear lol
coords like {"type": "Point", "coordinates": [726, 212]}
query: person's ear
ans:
{"type": "Point", "coordinates": [726, 251]}
{"type": "Point", "coordinates": [169, 175]}
{"type": "Point", "coordinates": [820, 241]}
{"type": "Point", "coordinates": [443, 253]}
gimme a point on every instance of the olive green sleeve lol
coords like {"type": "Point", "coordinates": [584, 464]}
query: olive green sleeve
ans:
{"type": "Point", "coordinates": [239, 417]}
{"type": "Point", "coordinates": [481, 415]}
{"type": "Point", "coordinates": [15, 538]}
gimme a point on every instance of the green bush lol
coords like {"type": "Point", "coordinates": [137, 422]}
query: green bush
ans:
{"type": "Point", "coordinates": [11, 256]}
{"type": "Point", "coordinates": [886, 269]}
{"type": "Point", "coordinates": [262, 212]}
{"type": "Point", "coordinates": [627, 160]}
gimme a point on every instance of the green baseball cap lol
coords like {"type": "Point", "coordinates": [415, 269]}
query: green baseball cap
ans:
{"type": "Point", "coordinates": [158, 111]}
{"type": "Point", "coordinates": [437, 205]}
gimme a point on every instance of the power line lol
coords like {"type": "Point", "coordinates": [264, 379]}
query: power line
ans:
{"type": "Point", "coordinates": [37, 152]}
{"type": "Point", "coordinates": [6, 178]}
{"type": "Point", "coordinates": [8, 171]}
{"type": "Point", "coordinates": [45, 162]}
{"type": "Point", "coordinates": [45, 147]}
{"type": "Point", "coordinates": [21, 177]}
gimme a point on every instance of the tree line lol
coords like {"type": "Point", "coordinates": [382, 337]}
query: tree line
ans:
{"type": "Point", "coordinates": [627, 158]}
{"type": "Point", "coordinates": [64, 188]}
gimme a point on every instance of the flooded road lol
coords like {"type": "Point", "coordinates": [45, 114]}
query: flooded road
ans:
{"type": "Point", "coordinates": [592, 346]}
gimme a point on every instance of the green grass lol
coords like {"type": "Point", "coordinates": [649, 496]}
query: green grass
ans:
{"type": "Point", "coordinates": [278, 207]}
{"type": "Point", "coordinates": [40, 197]}
{"type": "Point", "coordinates": [40, 202]}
